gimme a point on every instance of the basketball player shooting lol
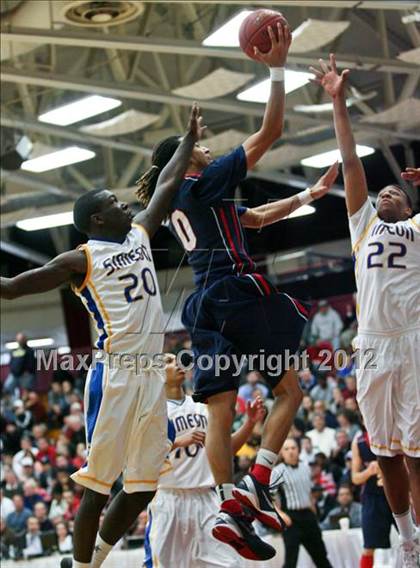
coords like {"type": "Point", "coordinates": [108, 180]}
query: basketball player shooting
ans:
{"type": "Point", "coordinates": [235, 310]}
{"type": "Point", "coordinates": [125, 411]}
{"type": "Point", "coordinates": [386, 248]}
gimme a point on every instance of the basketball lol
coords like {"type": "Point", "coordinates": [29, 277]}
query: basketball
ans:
{"type": "Point", "coordinates": [254, 33]}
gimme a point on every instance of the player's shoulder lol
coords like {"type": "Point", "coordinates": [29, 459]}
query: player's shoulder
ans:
{"type": "Point", "coordinates": [415, 222]}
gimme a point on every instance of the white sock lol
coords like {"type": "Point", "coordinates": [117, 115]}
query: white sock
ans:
{"type": "Point", "coordinates": [100, 552]}
{"type": "Point", "coordinates": [77, 564]}
{"type": "Point", "coordinates": [405, 525]}
{"type": "Point", "coordinates": [267, 458]}
{"type": "Point", "coordinates": [224, 491]}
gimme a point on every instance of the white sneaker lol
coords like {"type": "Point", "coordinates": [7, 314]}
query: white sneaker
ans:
{"type": "Point", "coordinates": [410, 552]}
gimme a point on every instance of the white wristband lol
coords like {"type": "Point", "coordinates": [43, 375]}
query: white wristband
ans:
{"type": "Point", "coordinates": [305, 197]}
{"type": "Point", "coordinates": [277, 73]}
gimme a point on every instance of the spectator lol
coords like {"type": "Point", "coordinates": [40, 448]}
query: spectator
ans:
{"type": "Point", "coordinates": [306, 410]}
{"type": "Point", "coordinates": [347, 366]}
{"type": "Point", "coordinates": [326, 325]}
{"type": "Point", "coordinates": [348, 422]}
{"type": "Point", "coordinates": [33, 539]}
{"type": "Point", "coordinates": [7, 539]}
{"type": "Point", "coordinates": [73, 503]}
{"type": "Point", "coordinates": [16, 521]}
{"type": "Point", "coordinates": [323, 390]}
{"type": "Point", "coordinates": [347, 336]}
{"type": "Point", "coordinates": [330, 419]}
{"type": "Point", "coordinates": [351, 404]}
{"type": "Point", "coordinates": [39, 431]}
{"type": "Point", "coordinates": [322, 477]}
{"type": "Point", "coordinates": [307, 380]}
{"type": "Point", "coordinates": [80, 456]}
{"type": "Point", "coordinates": [31, 495]}
{"type": "Point", "coordinates": [22, 417]}
{"type": "Point", "coordinates": [323, 438]}
{"type": "Point", "coordinates": [46, 475]}
{"type": "Point", "coordinates": [350, 390]}
{"type": "Point", "coordinates": [64, 540]}
{"type": "Point", "coordinates": [253, 381]}
{"type": "Point", "coordinates": [307, 454]}
{"type": "Point", "coordinates": [11, 438]}
{"type": "Point", "coordinates": [56, 396]}
{"type": "Point", "coordinates": [11, 484]}
{"type": "Point", "coordinates": [22, 367]}
{"type": "Point", "coordinates": [41, 513]}
{"type": "Point", "coordinates": [35, 407]}
{"type": "Point", "coordinates": [243, 464]}
{"type": "Point", "coordinates": [338, 457]}
{"type": "Point", "coordinates": [27, 450]}
{"type": "Point", "coordinates": [323, 502]}
{"type": "Point", "coordinates": [6, 505]}
{"type": "Point", "coordinates": [346, 508]}
{"type": "Point", "coordinates": [338, 400]}
{"type": "Point", "coordinates": [58, 506]}
{"type": "Point", "coordinates": [46, 450]}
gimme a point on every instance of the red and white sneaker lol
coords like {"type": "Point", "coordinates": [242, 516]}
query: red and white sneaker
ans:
{"type": "Point", "coordinates": [237, 531]}
{"type": "Point", "coordinates": [256, 497]}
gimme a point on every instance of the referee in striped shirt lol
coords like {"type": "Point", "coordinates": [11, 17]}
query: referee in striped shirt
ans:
{"type": "Point", "coordinates": [294, 498]}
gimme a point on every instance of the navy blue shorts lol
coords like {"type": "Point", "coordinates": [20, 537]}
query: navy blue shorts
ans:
{"type": "Point", "coordinates": [377, 521]}
{"type": "Point", "coordinates": [241, 316]}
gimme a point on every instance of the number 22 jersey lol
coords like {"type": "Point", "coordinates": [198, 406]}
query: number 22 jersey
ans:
{"type": "Point", "coordinates": [121, 293]}
{"type": "Point", "coordinates": [387, 268]}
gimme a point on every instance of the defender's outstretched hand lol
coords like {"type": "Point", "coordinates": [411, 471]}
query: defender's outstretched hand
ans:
{"type": "Point", "coordinates": [277, 55]}
{"type": "Point", "coordinates": [195, 126]}
{"type": "Point", "coordinates": [328, 77]}
{"type": "Point", "coordinates": [325, 182]}
{"type": "Point", "coordinates": [412, 175]}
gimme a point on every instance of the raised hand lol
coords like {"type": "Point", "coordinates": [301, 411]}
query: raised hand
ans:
{"type": "Point", "coordinates": [255, 411]}
{"type": "Point", "coordinates": [325, 182]}
{"type": "Point", "coordinates": [328, 77]}
{"type": "Point", "coordinates": [277, 55]}
{"type": "Point", "coordinates": [195, 126]}
{"type": "Point", "coordinates": [412, 175]}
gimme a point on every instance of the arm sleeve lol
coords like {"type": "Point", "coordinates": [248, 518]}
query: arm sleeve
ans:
{"type": "Point", "coordinates": [241, 210]}
{"type": "Point", "coordinates": [360, 221]}
{"type": "Point", "coordinates": [220, 178]}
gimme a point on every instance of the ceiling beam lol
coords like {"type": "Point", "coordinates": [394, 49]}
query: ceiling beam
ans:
{"type": "Point", "coordinates": [129, 91]}
{"type": "Point", "coordinates": [36, 183]}
{"type": "Point", "coordinates": [298, 182]}
{"type": "Point", "coordinates": [189, 47]}
{"type": "Point", "coordinates": [72, 134]}
{"type": "Point", "coordinates": [23, 252]}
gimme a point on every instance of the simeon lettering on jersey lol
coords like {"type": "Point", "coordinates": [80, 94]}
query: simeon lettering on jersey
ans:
{"type": "Point", "coordinates": [205, 219]}
{"type": "Point", "coordinates": [121, 293]}
{"type": "Point", "coordinates": [190, 467]}
{"type": "Point", "coordinates": [387, 257]}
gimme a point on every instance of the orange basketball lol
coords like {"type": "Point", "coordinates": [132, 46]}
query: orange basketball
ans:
{"type": "Point", "coordinates": [253, 31]}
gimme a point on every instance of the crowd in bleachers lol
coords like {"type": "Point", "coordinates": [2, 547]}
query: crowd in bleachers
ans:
{"type": "Point", "coordinates": [43, 439]}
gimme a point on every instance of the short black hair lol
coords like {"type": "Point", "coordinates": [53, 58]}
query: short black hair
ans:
{"type": "Point", "coordinates": [85, 206]}
{"type": "Point", "coordinates": [407, 197]}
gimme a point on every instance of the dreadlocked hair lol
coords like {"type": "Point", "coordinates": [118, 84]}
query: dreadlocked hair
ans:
{"type": "Point", "coordinates": [162, 153]}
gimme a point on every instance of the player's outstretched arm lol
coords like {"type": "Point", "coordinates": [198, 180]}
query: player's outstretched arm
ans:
{"type": "Point", "coordinates": [269, 213]}
{"type": "Point", "coordinates": [272, 127]}
{"type": "Point", "coordinates": [70, 267]}
{"type": "Point", "coordinates": [355, 184]}
{"type": "Point", "coordinates": [172, 175]}
{"type": "Point", "coordinates": [412, 175]}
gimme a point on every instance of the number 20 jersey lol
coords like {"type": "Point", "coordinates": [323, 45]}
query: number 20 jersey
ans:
{"type": "Point", "coordinates": [387, 268]}
{"type": "Point", "coordinates": [121, 293]}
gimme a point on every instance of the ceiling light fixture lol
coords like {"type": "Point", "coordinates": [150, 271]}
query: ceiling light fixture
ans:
{"type": "Point", "coordinates": [328, 158]}
{"type": "Point", "coordinates": [46, 221]}
{"type": "Point", "coordinates": [58, 159]}
{"type": "Point", "coordinates": [228, 34]}
{"type": "Point", "coordinates": [79, 110]}
{"type": "Point", "coordinates": [260, 92]}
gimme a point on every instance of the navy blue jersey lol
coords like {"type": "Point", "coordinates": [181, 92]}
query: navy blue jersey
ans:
{"type": "Point", "coordinates": [205, 219]}
{"type": "Point", "coordinates": [367, 456]}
